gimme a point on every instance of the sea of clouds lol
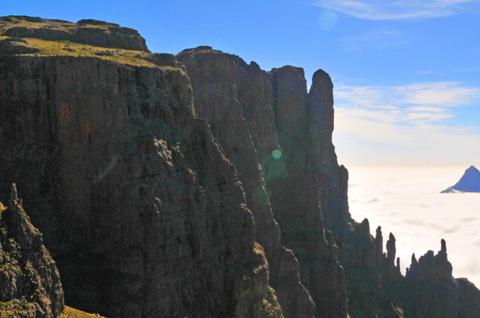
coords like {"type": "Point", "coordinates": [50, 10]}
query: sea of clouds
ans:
{"type": "Point", "coordinates": [407, 201]}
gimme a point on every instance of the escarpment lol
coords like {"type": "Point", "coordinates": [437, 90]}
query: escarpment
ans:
{"type": "Point", "coordinates": [30, 284]}
{"type": "Point", "coordinates": [143, 213]}
{"type": "Point", "coordinates": [194, 185]}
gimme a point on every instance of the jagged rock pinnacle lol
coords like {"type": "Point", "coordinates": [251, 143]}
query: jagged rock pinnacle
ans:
{"type": "Point", "coordinates": [443, 249]}
{"type": "Point", "coordinates": [29, 278]}
{"type": "Point", "coordinates": [391, 249]}
{"type": "Point", "coordinates": [14, 199]}
{"type": "Point", "coordinates": [379, 241]}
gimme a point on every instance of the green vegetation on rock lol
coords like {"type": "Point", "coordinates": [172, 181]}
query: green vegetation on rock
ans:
{"type": "Point", "coordinates": [70, 312]}
{"type": "Point", "coordinates": [66, 48]}
{"type": "Point", "coordinates": [87, 38]}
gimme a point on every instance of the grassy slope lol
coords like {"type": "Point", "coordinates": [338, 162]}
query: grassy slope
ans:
{"type": "Point", "coordinates": [18, 308]}
{"type": "Point", "coordinates": [70, 312]}
{"type": "Point", "coordinates": [68, 48]}
{"type": "Point", "coordinates": [65, 48]}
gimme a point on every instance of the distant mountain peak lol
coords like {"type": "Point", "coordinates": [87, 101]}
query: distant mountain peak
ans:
{"type": "Point", "coordinates": [472, 169]}
{"type": "Point", "coordinates": [470, 182]}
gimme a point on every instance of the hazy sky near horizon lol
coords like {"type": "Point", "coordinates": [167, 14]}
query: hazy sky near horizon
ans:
{"type": "Point", "coordinates": [406, 73]}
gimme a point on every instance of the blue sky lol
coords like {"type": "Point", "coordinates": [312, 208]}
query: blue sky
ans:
{"type": "Point", "coordinates": [407, 73]}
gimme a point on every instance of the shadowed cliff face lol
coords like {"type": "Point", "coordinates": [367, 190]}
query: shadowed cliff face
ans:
{"type": "Point", "coordinates": [145, 213]}
{"type": "Point", "coordinates": [269, 120]}
{"type": "Point", "coordinates": [194, 185]}
{"type": "Point", "coordinates": [29, 280]}
{"type": "Point", "coordinates": [266, 123]}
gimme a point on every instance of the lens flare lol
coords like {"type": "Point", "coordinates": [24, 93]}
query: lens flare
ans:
{"type": "Point", "coordinates": [277, 154]}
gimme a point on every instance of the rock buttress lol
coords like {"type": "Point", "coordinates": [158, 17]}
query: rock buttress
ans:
{"type": "Point", "coordinates": [30, 284]}
{"type": "Point", "coordinates": [260, 119]}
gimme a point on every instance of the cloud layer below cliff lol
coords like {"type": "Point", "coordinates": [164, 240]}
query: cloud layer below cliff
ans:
{"type": "Point", "coordinates": [407, 201]}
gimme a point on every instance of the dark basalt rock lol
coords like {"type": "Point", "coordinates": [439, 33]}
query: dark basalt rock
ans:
{"type": "Point", "coordinates": [391, 249]}
{"type": "Point", "coordinates": [165, 59]}
{"type": "Point", "coordinates": [30, 284]}
{"type": "Point", "coordinates": [10, 46]}
{"type": "Point", "coordinates": [379, 242]}
{"type": "Point", "coordinates": [96, 22]}
{"type": "Point", "coordinates": [145, 213]}
{"type": "Point", "coordinates": [260, 121]}
{"type": "Point", "coordinates": [225, 89]}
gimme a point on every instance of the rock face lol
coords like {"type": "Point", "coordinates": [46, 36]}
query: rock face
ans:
{"type": "Point", "coordinates": [142, 211]}
{"type": "Point", "coordinates": [260, 119]}
{"type": "Point", "coordinates": [151, 214]}
{"type": "Point", "coordinates": [470, 182]}
{"type": "Point", "coordinates": [29, 280]}
{"type": "Point", "coordinates": [194, 185]}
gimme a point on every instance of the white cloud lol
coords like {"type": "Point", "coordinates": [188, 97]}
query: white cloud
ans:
{"type": "Point", "coordinates": [404, 124]}
{"type": "Point", "coordinates": [396, 9]}
{"type": "Point", "coordinates": [378, 39]}
{"type": "Point", "coordinates": [420, 101]}
{"type": "Point", "coordinates": [441, 94]}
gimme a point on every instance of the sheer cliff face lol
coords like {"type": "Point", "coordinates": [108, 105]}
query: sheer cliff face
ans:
{"type": "Point", "coordinates": [273, 131]}
{"type": "Point", "coordinates": [194, 185]}
{"type": "Point", "coordinates": [222, 83]}
{"type": "Point", "coordinates": [145, 213]}
{"type": "Point", "coordinates": [29, 280]}
{"type": "Point", "coordinates": [142, 211]}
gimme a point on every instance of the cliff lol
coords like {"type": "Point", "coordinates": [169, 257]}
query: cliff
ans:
{"type": "Point", "coordinates": [194, 185]}
{"type": "Point", "coordinates": [265, 123]}
{"type": "Point", "coordinates": [141, 210]}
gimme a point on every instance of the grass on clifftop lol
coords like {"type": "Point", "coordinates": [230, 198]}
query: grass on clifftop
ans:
{"type": "Point", "coordinates": [31, 44]}
{"type": "Point", "coordinates": [50, 24]}
{"type": "Point", "coordinates": [65, 48]}
{"type": "Point", "coordinates": [70, 312]}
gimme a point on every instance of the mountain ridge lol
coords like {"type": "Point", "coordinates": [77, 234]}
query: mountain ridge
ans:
{"type": "Point", "coordinates": [197, 185]}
